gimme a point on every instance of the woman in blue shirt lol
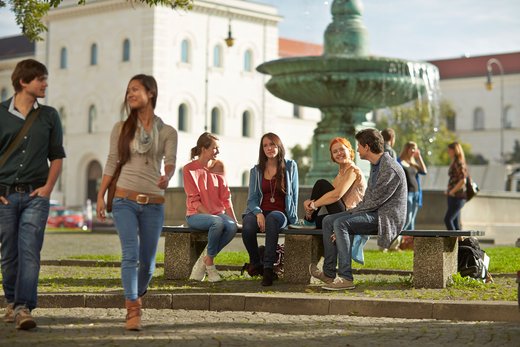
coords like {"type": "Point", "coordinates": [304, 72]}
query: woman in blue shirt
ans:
{"type": "Point", "coordinates": [271, 204]}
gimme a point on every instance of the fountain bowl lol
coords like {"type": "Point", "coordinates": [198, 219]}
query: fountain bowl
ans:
{"type": "Point", "coordinates": [366, 82]}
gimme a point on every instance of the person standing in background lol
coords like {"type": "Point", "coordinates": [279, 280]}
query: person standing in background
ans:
{"type": "Point", "coordinates": [456, 195]}
{"type": "Point", "coordinates": [389, 138]}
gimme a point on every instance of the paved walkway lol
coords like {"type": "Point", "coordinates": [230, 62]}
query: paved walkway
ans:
{"type": "Point", "coordinates": [101, 327]}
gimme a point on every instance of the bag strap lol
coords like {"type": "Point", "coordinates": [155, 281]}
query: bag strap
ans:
{"type": "Point", "coordinates": [16, 142]}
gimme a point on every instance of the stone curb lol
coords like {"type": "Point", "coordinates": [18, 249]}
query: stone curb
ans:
{"type": "Point", "coordinates": [300, 304]}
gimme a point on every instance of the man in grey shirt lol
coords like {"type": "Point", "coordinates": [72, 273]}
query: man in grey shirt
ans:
{"type": "Point", "coordinates": [382, 211]}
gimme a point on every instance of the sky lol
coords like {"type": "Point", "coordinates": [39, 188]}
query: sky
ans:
{"type": "Point", "coordinates": [408, 29]}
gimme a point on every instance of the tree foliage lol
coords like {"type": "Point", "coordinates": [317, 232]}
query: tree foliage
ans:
{"type": "Point", "coordinates": [29, 14]}
{"type": "Point", "coordinates": [415, 123]}
{"type": "Point", "coordinates": [302, 157]}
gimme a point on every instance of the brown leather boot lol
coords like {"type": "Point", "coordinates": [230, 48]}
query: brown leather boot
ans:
{"type": "Point", "coordinates": [133, 314]}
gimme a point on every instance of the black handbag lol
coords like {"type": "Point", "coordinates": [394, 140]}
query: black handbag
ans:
{"type": "Point", "coordinates": [472, 188]}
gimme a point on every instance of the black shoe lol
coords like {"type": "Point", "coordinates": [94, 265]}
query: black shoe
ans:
{"type": "Point", "coordinates": [267, 279]}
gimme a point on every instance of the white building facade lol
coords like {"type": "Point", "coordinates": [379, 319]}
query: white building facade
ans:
{"type": "Point", "coordinates": [478, 119]}
{"type": "Point", "coordinates": [92, 51]}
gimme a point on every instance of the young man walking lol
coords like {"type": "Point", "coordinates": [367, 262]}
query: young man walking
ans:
{"type": "Point", "coordinates": [30, 137]}
{"type": "Point", "coordinates": [382, 211]}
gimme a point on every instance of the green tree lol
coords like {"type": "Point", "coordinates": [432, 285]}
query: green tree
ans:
{"type": "Point", "coordinates": [302, 157]}
{"type": "Point", "coordinates": [415, 123]}
{"type": "Point", "coordinates": [29, 13]}
{"type": "Point", "coordinates": [514, 158]}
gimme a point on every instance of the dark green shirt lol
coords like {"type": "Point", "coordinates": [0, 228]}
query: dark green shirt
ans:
{"type": "Point", "coordinates": [29, 163]}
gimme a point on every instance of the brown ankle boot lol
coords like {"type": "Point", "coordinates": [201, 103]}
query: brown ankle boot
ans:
{"type": "Point", "coordinates": [133, 314]}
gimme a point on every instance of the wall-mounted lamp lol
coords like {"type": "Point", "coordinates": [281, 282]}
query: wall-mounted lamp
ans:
{"type": "Point", "coordinates": [230, 41]}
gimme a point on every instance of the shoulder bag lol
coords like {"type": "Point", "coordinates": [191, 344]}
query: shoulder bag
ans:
{"type": "Point", "coordinates": [472, 188]}
{"type": "Point", "coordinates": [112, 186]}
{"type": "Point", "coordinates": [16, 142]}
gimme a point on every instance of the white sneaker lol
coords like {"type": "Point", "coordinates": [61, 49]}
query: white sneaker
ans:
{"type": "Point", "coordinates": [199, 269]}
{"type": "Point", "coordinates": [213, 275]}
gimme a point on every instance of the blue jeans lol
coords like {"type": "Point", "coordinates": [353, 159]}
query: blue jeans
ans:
{"type": "Point", "coordinates": [452, 217]}
{"type": "Point", "coordinates": [139, 228]}
{"type": "Point", "coordinates": [22, 226]}
{"type": "Point", "coordinates": [345, 225]}
{"type": "Point", "coordinates": [274, 222]}
{"type": "Point", "coordinates": [412, 207]}
{"type": "Point", "coordinates": [221, 230]}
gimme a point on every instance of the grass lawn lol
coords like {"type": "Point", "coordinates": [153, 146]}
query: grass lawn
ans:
{"type": "Point", "coordinates": [105, 279]}
{"type": "Point", "coordinates": [503, 259]}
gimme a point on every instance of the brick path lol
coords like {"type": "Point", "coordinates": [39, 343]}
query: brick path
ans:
{"type": "Point", "coordinates": [100, 327]}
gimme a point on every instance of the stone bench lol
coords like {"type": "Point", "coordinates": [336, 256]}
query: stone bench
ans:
{"type": "Point", "coordinates": [184, 245]}
{"type": "Point", "coordinates": [435, 255]}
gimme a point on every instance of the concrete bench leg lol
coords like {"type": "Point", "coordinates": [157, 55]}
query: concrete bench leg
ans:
{"type": "Point", "coordinates": [181, 251]}
{"type": "Point", "coordinates": [300, 251]}
{"type": "Point", "coordinates": [434, 261]}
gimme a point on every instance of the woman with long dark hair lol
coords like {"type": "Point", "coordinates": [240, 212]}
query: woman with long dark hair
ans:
{"type": "Point", "coordinates": [208, 203]}
{"type": "Point", "coordinates": [271, 203]}
{"type": "Point", "coordinates": [139, 144]}
{"type": "Point", "coordinates": [458, 173]}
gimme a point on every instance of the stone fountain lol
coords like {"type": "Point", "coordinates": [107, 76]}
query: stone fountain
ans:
{"type": "Point", "coordinates": [345, 83]}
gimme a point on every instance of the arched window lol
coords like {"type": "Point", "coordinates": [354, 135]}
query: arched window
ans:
{"type": "Point", "coordinates": [247, 124]}
{"type": "Point", "coordinates": [63, 58]}
{"type": "Point", "coordinates": [93, 54]}
{"type": "Point", "coordinates": [451, 122]}
{"type": "Point", "coordinates": [3, 95]}
{"type": "Point", "coordinates": [216, 121]}
{"type": "Point", "coordinates": [245, 178]}
{"type": "Point", "coordinates": [248, 60]}
{"type": "Point", "coordinates": [92, 115]}
{"type": "Point", "coordinates": [509, 118]}
{"type": "Point", "coordinates": [185, 51]}
{"type": "Point", "coordinates": [63, 119]}
{"type": "Point", "coordinates": [126, 50]}
{"type": "Point", "coordinates": [478, 119]}
{"type": "Point", "coordinates": [297, 111]}
{"type": "Point", "coordinates": [217, 56]}
{"type": "Point", "coordinates": [183, 118]}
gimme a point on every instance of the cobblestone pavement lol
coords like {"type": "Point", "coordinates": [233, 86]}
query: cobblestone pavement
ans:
{"type": "Point", "coordinates": [104, 327]}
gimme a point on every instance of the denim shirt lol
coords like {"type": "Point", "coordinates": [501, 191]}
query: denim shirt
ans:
{"type": "Point", "coordinates": [255, 196]}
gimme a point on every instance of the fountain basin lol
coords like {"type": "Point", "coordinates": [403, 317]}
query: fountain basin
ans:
{"type": "Point", "coordinates": [366, 82]}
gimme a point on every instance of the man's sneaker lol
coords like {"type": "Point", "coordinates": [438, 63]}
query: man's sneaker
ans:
{"type": "Point", "coordinates": [303, 224]}
{"type": "Point", "coordinates": [340, 284]}
{"type": "Point", "coordinates": [9, 313]}
{"type": "Point", "coordinates": [316, 273]}
{"type": "Point", "coordinates": [23, 318]}
{"type": "Point", "coordinates": [213, 275]}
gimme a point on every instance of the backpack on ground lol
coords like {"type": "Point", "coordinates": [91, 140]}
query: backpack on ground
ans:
{"type": "Point", "coordinates": [472, 260]}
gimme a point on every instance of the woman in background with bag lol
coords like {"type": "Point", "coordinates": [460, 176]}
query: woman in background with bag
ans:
{"type": "Point", "coordinates": [458, 173]}
{"type": "Point", "coordinates": [138, 145]}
